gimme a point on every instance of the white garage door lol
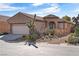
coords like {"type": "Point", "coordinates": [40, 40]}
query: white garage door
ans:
{"type": "Point", "coordinates": [20, 29]}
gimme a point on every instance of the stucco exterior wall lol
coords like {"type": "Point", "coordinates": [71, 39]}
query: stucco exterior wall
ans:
{"type": "Point", "coordinates": [40, 26]}
{"type": "Point", "coordinates": [4, 26]}
{"type": "Point", "coordinates": [66, 30]}
{"type": "Point", "coordinates": [19, 18]}
{"type": "Point", "coordinates": [60, 31]}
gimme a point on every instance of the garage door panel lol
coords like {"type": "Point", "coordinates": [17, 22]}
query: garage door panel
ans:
{"type": "Point", "coordinates": [20, 29]}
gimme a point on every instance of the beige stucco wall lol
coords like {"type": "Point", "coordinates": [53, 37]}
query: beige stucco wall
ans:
{"type": "Point", "coordinates": [55, 20]}
{"type": "Point", "coordinates": [4, 26]}
{"type": "Point", "coordinates": [19, 18]}
{"type": "Point", "coordinates": [40, 26]}
{"type": "Point", "coordinates": [64, 31]}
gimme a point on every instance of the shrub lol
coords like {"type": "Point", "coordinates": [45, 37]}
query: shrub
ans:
{"type": "Point", "coordinates": [28, 37]}
{"type": "Point", "coordinates": [5, 33]}
{"type": "Point", "coordinates": [35, 35]}
{"type": "Point", "coordinates": [72, 39]}
{"type": "Point", "coordinates": [77, 31]}
{"type": "Point", "coordinates": [1, 33]}
{"type": "Point", "coordinates": [50, 32]}
{"type": "Point", "coordinates": [31, 37]}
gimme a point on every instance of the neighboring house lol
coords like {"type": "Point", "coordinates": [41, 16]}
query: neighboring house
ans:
{"type": "Point", "coordinates": [4, 25]}
{"type": "Point", "coordinates": [18, 21]}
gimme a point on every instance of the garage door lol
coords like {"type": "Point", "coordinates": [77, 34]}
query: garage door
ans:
{"type": "Point", "coordinates": [20, 29]}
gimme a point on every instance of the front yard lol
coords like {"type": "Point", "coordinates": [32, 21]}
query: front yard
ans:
{"type": "Point", "coordinates": [44, 49]}
{"type": "Point", "coordinates": [58, 40]}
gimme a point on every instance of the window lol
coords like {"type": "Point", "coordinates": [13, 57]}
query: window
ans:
{"type": "Point", "coordinates": [60, 25]}
{"type": "Point", "coordinates": [51, 25]}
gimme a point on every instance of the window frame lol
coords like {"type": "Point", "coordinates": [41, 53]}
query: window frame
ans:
{"type": "Point", "coordinates": [63, 25]}
{"type": "Point", "coordinates": [52, 25]}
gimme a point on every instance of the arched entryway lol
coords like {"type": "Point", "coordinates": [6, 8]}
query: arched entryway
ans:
{"type": "Point", "coordinates": [52, 25]}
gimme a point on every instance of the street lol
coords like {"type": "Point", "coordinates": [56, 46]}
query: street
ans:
{"type": "Point", "coordinates": [44, 49]}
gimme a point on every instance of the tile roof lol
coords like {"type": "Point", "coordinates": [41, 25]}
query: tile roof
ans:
{"type": "Point", "coordinates": [51, 16]}
{"type": "Point", "coordinates": [32, 16]}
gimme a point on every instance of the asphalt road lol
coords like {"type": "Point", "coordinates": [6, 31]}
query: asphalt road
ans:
{"type": "Point", "coordinates": [44, 49]}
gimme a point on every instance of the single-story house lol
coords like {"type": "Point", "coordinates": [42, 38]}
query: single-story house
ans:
{"type": "Point", "coordinates": [4, 25]}
{"type": "Point", "coordinates": [61, 26]}
{"type": "Point", "coordinates": [18, 21]}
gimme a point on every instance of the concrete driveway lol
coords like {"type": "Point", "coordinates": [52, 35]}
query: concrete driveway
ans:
{"type": "Point", "coordinates": [44, 49]}
{"type": "Point", "coordinates": [10, 37]}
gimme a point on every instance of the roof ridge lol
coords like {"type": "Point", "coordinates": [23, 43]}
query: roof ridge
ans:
{"type": "Point", "coordinates": [31, 16]}
{"type": "Point", "coordinates": [4, 16]}
{"type": "Point", "coordinates": [51, 15]}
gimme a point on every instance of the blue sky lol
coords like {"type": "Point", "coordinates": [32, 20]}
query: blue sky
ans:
{"type": "Point", "coordinates": [41, 9]}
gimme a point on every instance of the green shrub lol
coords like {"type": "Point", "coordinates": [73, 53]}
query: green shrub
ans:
{"type": "Point", "coordinates": [77, 31]}
{"type": "Point", "coordinates": [28, 37]}
{"type": "Point", "coordinates": [31, 37]}
{"type": "Point", "coordinates": [50, 32]}
{"type": "Point", "coordinates": [72, 39]}
{"type": "Point", "coordinates": [35, 35]}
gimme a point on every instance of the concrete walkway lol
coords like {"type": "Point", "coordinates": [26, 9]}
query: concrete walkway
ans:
{"type": "Point", "coordinates": [44, 49]}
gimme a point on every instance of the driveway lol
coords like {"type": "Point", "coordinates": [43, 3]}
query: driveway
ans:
{"type": "Point", "coordinates": [44, 49]}
{"type": "Point", "coordinates": [10, 37]}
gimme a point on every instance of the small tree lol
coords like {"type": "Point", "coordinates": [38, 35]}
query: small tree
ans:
{"type": "Point", "coordinates": [74, 38]}
{"type": "Point", "coordinates": [31, 26]}
{"type": "Point", "coordinates": [76, 20]}
{"type": "Point", "coordinates": [67, 18]}
{"type": "Point", "coordinates": [33, 35]}
{"type": "Point", "coordinates": [77, 31]}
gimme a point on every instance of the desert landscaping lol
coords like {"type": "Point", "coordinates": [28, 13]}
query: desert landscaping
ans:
{"type": "Point", "coordinates": [30, 34]}
{"type": "Point", "coordinates": [14, 48]}
{"type": "Point", "coordinates": [44, 49]}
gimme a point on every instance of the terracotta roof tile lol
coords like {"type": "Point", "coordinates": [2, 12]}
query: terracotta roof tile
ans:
{"type": "Point", "coordinates": [51, 16]}
{"type": "Point", "coordinates": [32, 16]}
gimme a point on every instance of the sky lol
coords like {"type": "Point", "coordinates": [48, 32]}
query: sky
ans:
{"type": "Point", "coordinates": [41, 9]}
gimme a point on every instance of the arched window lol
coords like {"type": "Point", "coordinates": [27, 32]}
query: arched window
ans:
{"type": "Point", "coordinates": [52, 25]}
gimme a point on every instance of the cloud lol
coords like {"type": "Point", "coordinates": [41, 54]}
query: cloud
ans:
{"type": "Point", "coordinates": [8, 7]}
{"type": "Point", "coordinates": [77, 10]}
{"type": "Point", "coordinates": [37, 4]}
{"type": "Point", "coordinates": [53, 8]}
